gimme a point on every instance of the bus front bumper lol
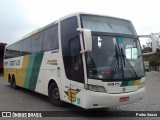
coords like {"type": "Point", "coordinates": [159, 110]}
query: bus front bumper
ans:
{"type": "Point", "coordinates": [102, 100]}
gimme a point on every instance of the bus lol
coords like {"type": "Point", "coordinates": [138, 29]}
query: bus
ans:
{"type": "Point", "coordinates": [88, 60]}
{"type": "Point", "coordinates": [2, 46]}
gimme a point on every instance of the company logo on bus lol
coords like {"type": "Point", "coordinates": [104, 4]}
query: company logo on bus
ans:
{"type": "Point", "coordinates": [71, 93]}
{"type": "Point", "coordinates": [52, 62]}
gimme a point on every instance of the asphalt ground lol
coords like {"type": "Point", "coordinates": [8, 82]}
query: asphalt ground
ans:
{"type": "Point", "coordinates": [25, 100]}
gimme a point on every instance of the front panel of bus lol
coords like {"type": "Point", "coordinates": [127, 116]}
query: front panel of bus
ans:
{"type": "Point", "coordinates": [114, 66]}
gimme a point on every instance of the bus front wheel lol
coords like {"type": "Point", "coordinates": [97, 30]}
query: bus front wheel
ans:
{"type": "Point", "coordinates": [54, 95]}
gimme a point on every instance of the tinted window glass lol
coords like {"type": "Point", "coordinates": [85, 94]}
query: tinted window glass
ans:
{"type": "Point", "coordinates": [75, 61]}
{"type": "Point", "coordinates": [14, 50]}
{"type": "Point", "coordinates": [8, 53]}
{"type": "Point", "coordinates": [18, 49]}
{"type": "Point", "coordinates": [50, 41]}
{"type": "Point", "coordinates": [108, 25]}
{"type": "Point", "coordinates": [36, 43]}
{"type": "Point", "coordinates": [71, 49]}
{"type": "Point", "coordinates": [26, 46]}
{"type": "Point", "coordinates": [32, 44]}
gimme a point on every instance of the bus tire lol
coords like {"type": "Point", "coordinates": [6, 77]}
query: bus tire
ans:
{"type": "Point", "coordinates": [9, 81]}
{"type": "Point", "coordinates": [54, 96]}
{"type": "Point", "coordinates": [13, 83]}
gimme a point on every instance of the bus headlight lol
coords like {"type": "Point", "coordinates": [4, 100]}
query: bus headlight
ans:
{"type": "Point", "coordinates": [95, 88]}
{"type": "Point", "coordinates": [142, 84]}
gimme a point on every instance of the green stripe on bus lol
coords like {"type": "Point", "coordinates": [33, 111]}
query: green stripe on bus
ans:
{"type": "Point", "coordinates": [131, 83]}
{"type": "Point", "coordinates": [33, 71]}
{"type": "Point", "coordinates": [124, 83]}
{"type": "Point", "coordinates": [29, 71]}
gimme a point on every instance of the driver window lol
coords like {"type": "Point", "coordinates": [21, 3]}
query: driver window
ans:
{"type": "Point", "coordinates": [75, 60]}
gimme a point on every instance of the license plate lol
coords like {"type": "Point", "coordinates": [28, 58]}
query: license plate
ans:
{"type": "Point", "coordinates": [123, 99]}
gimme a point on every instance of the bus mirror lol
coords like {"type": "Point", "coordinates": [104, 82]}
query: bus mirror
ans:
{"type": "Point", "coordinates": [153, 44]}
{"type": "Point", "coordinates": [87, 39]}
{"type": "Point", "coordinates": [154, 47]}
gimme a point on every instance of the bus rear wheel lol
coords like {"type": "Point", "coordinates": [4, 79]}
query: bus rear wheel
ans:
{"type": "Point", "coordinates": [13, 83]}
{"type": "Point", "coordinates": [54, 95]}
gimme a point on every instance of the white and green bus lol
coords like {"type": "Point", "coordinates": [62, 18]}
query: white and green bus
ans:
{"type": "Point", "coordinates": [91, 61]}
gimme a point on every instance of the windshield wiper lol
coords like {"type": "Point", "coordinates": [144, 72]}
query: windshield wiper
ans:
{"type": "Point", "coordinates": [114, 64]}
{"type": "Point", "coordinates": [125, 59]}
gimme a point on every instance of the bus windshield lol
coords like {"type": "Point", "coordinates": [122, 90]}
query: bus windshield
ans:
{"type": "Point", "coordinates": [113, 57]}
{"type": "Point", "coordinates": [107, 25]}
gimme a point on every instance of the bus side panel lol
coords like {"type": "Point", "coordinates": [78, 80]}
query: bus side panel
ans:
{"type": "Point", "coordinates": [25, 70]}
{"type": "Point", "coordinates": [29, 71]}
{"type": "Point", "coordinates": [16, 67]}
{"type": "Point", "coordinates": [40, 82]}
{"type": "Point", "coordinates": [51, 69]}
{"type": "Point", "coordinates": [33, 71]}
{"type": "Point", "coordinates": [22, 72]}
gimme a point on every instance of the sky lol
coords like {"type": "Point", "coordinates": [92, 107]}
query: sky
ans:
{"type": "Point", "coordinates": [19, 17]}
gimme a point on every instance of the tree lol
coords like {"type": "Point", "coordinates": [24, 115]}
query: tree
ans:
{"type": "Point", "coordinates": [154, 59]}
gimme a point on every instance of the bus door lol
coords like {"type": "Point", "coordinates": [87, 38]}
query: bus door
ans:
{"type": "Point", "coordinates": [73, 65]}
{"type": "Point", "coordinates": [76, 72]}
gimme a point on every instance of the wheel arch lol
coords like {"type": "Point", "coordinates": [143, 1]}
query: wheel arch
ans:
{"type": "Point", "coordinates": [57, 82]}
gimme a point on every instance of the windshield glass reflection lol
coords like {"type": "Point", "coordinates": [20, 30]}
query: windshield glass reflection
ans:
{"type": "Point", "coordinates": [114, 58]}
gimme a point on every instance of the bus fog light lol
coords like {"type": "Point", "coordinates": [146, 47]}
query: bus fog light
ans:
{"type": "Point", "coordinates": [96, 88]}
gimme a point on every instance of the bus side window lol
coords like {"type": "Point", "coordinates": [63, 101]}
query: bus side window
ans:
{"type": "Point", "coordinates": [26, 46]}
{"type": "Point", "coordinates": [12, 47]}
{"type": "Point", "coordinates": [8, 53]}
{"type": "Point", "coordinates": [36, 43]}
{"type": "Point", "coordinates": [50, 41]}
